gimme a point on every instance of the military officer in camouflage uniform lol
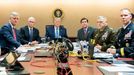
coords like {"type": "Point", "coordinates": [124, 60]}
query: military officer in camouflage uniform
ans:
{"type": "Point", "coordinates": [124, 45]}
{"type": "Point", "coordinates": [102, 36]}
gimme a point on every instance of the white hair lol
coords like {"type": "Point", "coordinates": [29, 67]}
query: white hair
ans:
{"type": "Point", "coordinates": [102, 18]}
{"type": "Point", "coordinates": [14, 14]}
{"type": "Point", "coordinates": [31, 18]}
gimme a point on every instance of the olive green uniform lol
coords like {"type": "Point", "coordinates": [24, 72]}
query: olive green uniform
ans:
{"type": "Point", "coordinates": [103, 38]}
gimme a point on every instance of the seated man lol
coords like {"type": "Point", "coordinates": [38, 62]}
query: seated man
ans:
{"type": "Point", "coordinates": [103, 35]}
{"type": "Point", "coordinates": [29, 33]}
{"type": "Point", "coordinates": [10, 38]}
{"type": "Point", "coordinates": [85, 33]}
{"type": "Point", "coordinates": [56, 31]}
{"type": "Point", "coordinates": [124, 44]}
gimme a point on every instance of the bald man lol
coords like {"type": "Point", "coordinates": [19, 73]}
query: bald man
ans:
{"type": "Point", "coordinates": [124, 44]}
{"type": "Point", "coordinates": [10, 38]}
{"type": "Point", "coordinates": [103, 35]}
{"type": "Point", "coordinates": [29, 33]}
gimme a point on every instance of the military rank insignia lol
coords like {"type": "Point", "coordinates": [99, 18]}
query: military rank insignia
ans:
{"type": "Point", "coordinates": [104, 36]}
{"type": "Point", "coordinates": [128, 35]}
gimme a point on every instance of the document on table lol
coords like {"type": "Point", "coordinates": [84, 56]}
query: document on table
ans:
{"type": "Point", "coordinates": [26, 49]}
{"type": "Point", "coordinates": [126, 73]}
{"type": "Point", "coordinates": [112, 70]}
{"type": "Point", "coordinates": [102, 55]}
{"type": "Point", "coordinates": [121, 63]}
{"type": "Point", "coordinates": [3, 71]}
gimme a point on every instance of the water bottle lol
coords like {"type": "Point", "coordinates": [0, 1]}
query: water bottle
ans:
{"type": "Point", "coordinates": [85, 49]}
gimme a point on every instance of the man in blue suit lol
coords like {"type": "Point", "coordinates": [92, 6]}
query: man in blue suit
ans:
{"type": "Point", "coordinates": [56, 31]}
{"type": "Point", "coordinates": [10, 38]}
{"type": "Point", "coordinates": [29, 33]}
{"type": "Point", "coordinates": [124, 44]}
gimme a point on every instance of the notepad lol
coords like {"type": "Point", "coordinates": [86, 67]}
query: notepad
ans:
{"type": "Point", "coordinates": [3, 71]}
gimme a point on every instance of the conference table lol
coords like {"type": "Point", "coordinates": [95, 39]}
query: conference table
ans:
{"type": "Point", "coordinates": [48, 65]}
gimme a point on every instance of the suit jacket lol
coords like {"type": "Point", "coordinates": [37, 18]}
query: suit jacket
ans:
{"type": "Point", "coordinates": [88, 36]}
{"type": "Point", "coordinates": [125, 40]}
{"type": "Point", "coordinates": [50, 32]}
{"type": "Point", "coordinates": [6, 37]}
{"type": "Point", "coordinates": [24, 32]}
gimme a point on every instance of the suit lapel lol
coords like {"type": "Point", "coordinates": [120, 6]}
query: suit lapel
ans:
{"type": "Point", "coordinates": [60, 31]}
{"type": "Point", "coordinates": [27, 32]}
{"type": "Point", "coordinates": [9, 25]}
{"type": "Point", "coordinates": [53, 31]}
{"type": "Point", "coordinates": [34, 32]}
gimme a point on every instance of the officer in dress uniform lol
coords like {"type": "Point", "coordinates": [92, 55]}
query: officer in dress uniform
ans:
{"type": "Point", "coordinates": [124, 44]}
{"type": "Point", "coordinates": [103, 35]}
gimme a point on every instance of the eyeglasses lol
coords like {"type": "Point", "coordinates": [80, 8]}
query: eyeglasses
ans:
{"type": "Point", "coordinates": [31, 21]}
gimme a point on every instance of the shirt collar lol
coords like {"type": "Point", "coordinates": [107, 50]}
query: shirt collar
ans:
{"type": "Point", "coordinates": [56, 27]}
{"type": "Point", "coordinates": [11, 24]}
{"type": "Point", "coordinates": [125, 26]}
{"type": "Point", "coordinates": [85, 28]}
{"type": "Point", "coordinates": [29, 28]}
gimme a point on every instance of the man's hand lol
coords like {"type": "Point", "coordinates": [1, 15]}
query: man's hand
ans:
{"type": "Point", "coordinates": [98, 46]}
{"type": "Point", "coordinates": [34, 42]}
{"type": "Point", "coordinates": [112, 51]}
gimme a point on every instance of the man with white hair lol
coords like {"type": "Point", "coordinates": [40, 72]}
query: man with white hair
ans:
{"type": "Point", "coordinates": [10, 38]}
{"type": "Point", "coordinates": [102, 37]}
{"type": "Point", "coordinates": [56, 31]}
{"type": "Point", "coordinates": [124, 44]}
{"type": "Point", "coordinates": [29, 33]}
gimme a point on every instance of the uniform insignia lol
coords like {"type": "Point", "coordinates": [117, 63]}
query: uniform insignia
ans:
{"type": "Point", "coordinates": [96, 35]}
{"type": "Point", "coordinates": [104, 36]}
{"type": "Point", "coordinates": [127, 44]}
{"type": "Point", "coordinates": [128, 35]}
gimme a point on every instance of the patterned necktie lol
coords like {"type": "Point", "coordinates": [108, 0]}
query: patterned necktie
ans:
{"type": "Point", "coordinates": [31, 34]}
{"type": "Point", "coordinates": [85, 31]}
{"type": "Point", "coordinates": [14, 33]}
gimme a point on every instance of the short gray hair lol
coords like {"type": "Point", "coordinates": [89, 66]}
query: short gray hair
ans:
{"type": "Point", "coordinates": [102, 18]}
{"type": "Point", "coordinates": [14, 14]}
{"type": "Point", "coordinates": [31, 18]}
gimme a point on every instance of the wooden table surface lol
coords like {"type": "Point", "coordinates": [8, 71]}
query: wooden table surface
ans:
{"type": "Point", "coordinates": [48, 66]}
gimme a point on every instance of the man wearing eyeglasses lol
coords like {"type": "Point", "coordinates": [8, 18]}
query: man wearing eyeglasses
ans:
{"type": "Point", "coordinates": [10, 38]}
{"type": "Point", "coordinates": [29, 33]}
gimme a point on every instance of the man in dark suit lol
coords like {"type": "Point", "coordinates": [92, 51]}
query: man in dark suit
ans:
{"type": "Point", "coordinates": [124, 44]}
{"type": "Point", "coordinates": [56, 31]}
{"type": "Point", "coordinates": [29, 33]}
{"type": "Point", "coordinates": [10, 38]}
{"type": "Point", "coordinates": [86, 32]}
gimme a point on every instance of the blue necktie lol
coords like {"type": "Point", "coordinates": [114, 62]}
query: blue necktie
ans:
{"type": "Point", "coordinates": [57, 34]}
{"type": "Point", "coordinates": [31, 34]}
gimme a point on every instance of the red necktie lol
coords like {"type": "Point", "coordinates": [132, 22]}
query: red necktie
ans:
{"type": "Point", "coordinates": [14, 34]}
